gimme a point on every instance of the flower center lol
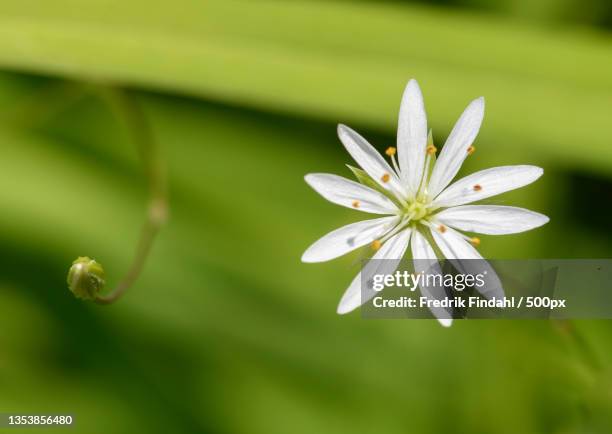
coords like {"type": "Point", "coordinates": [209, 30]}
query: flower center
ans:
{"type": "Point", "coordinates": [417, 210]}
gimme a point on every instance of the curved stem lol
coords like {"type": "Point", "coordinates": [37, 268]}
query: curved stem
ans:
{"type": "Point", "coordinates": [131, 114]}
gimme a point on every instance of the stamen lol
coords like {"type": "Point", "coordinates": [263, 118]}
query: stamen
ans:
{"type": "Point", "coordinates": [424, 180]}
{"type": "Point", "coordinates": [427, 223]}
{"type": "Point", "coordinates": [401, 225]}
{"type": "Point", "coordinates": [395, 166]}
{"type": "Point", "coordinates": [385, 178]}
{"type": "Point", "coordinates": [376, 244]}
{"type": "Point", "coordinates": [431, 149]}
{"type": "Point", "coordinates": [471, 150]}
{"type": "Point", "coordinates": [355, 204]}
{"type": "Point", "coordinates": [477, 187]}
{"type": "Point", "coordinates": [475, 241]}
{"type": "Point", "coordinates": [391, 150]}
{"type": "Point", "coordinates": [434, 226]}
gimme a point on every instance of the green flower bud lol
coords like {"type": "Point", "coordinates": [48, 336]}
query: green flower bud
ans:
{"type": "Point", "coordinates": [86, 278]}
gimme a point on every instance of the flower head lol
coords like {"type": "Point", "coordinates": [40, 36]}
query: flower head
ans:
{"type": "Point", "coordinates": [85, 278]}
{"type": "Point", "coordinates": [414, 194]}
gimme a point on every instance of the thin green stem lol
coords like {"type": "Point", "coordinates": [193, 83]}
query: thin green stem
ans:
{"type": "Point", "coordinates": [130, 113]}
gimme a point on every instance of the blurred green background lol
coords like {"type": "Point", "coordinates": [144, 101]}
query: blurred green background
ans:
{"type": "Point", "coordinates": [226, 331]}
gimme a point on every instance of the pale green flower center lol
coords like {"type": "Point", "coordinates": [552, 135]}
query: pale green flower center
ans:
{"type": "Point", "coordinates": [417, 209]}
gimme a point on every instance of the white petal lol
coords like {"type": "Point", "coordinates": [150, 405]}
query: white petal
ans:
{"type": "Point", "coordinates": [412, 136]}
{"type": "Point", "coordinates": [425, 261]}
{"type": "Point", "coordinates": [487, 183]}
{"type": "Point", "coordinates": [345, 192]}
{"type": "Point", "coordinates": [490, 219]}
{"type": "Point", "coordinates": [445, 322]}
{"type": "Point", "coordinates": [370, 160]}
{"type": "Point", "coordinates": [385, 261]}
{"type": "Point", "coordinates": [467, 260]}
{"type": "Point", "coordinates": [455, 149]}
{"type": "Point", "coordinates": [348, 238]}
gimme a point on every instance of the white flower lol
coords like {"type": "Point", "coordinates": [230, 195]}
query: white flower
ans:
{"type": "Point", "coordinates": [419, 201]}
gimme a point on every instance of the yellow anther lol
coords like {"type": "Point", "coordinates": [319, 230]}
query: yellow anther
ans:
{"type": "Point", "coordinates": [475, 241]}
{"type": "Point", "coordinates": [441, 229]}
{"type": "Point", "coordinates": [477, 187]}
{"type": "Point", "coordinates": [355, 204]}
{"type": "Point", "coordinates": [431, 149]}
{"type": "Point", "coordinates": [376, 244]}
{"type": "Point", "coordinates": [385, 178]}
{"type": "Point", "coordinates": [471, 150]}
{"type": "Point", "coordinates": [391, 151]}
